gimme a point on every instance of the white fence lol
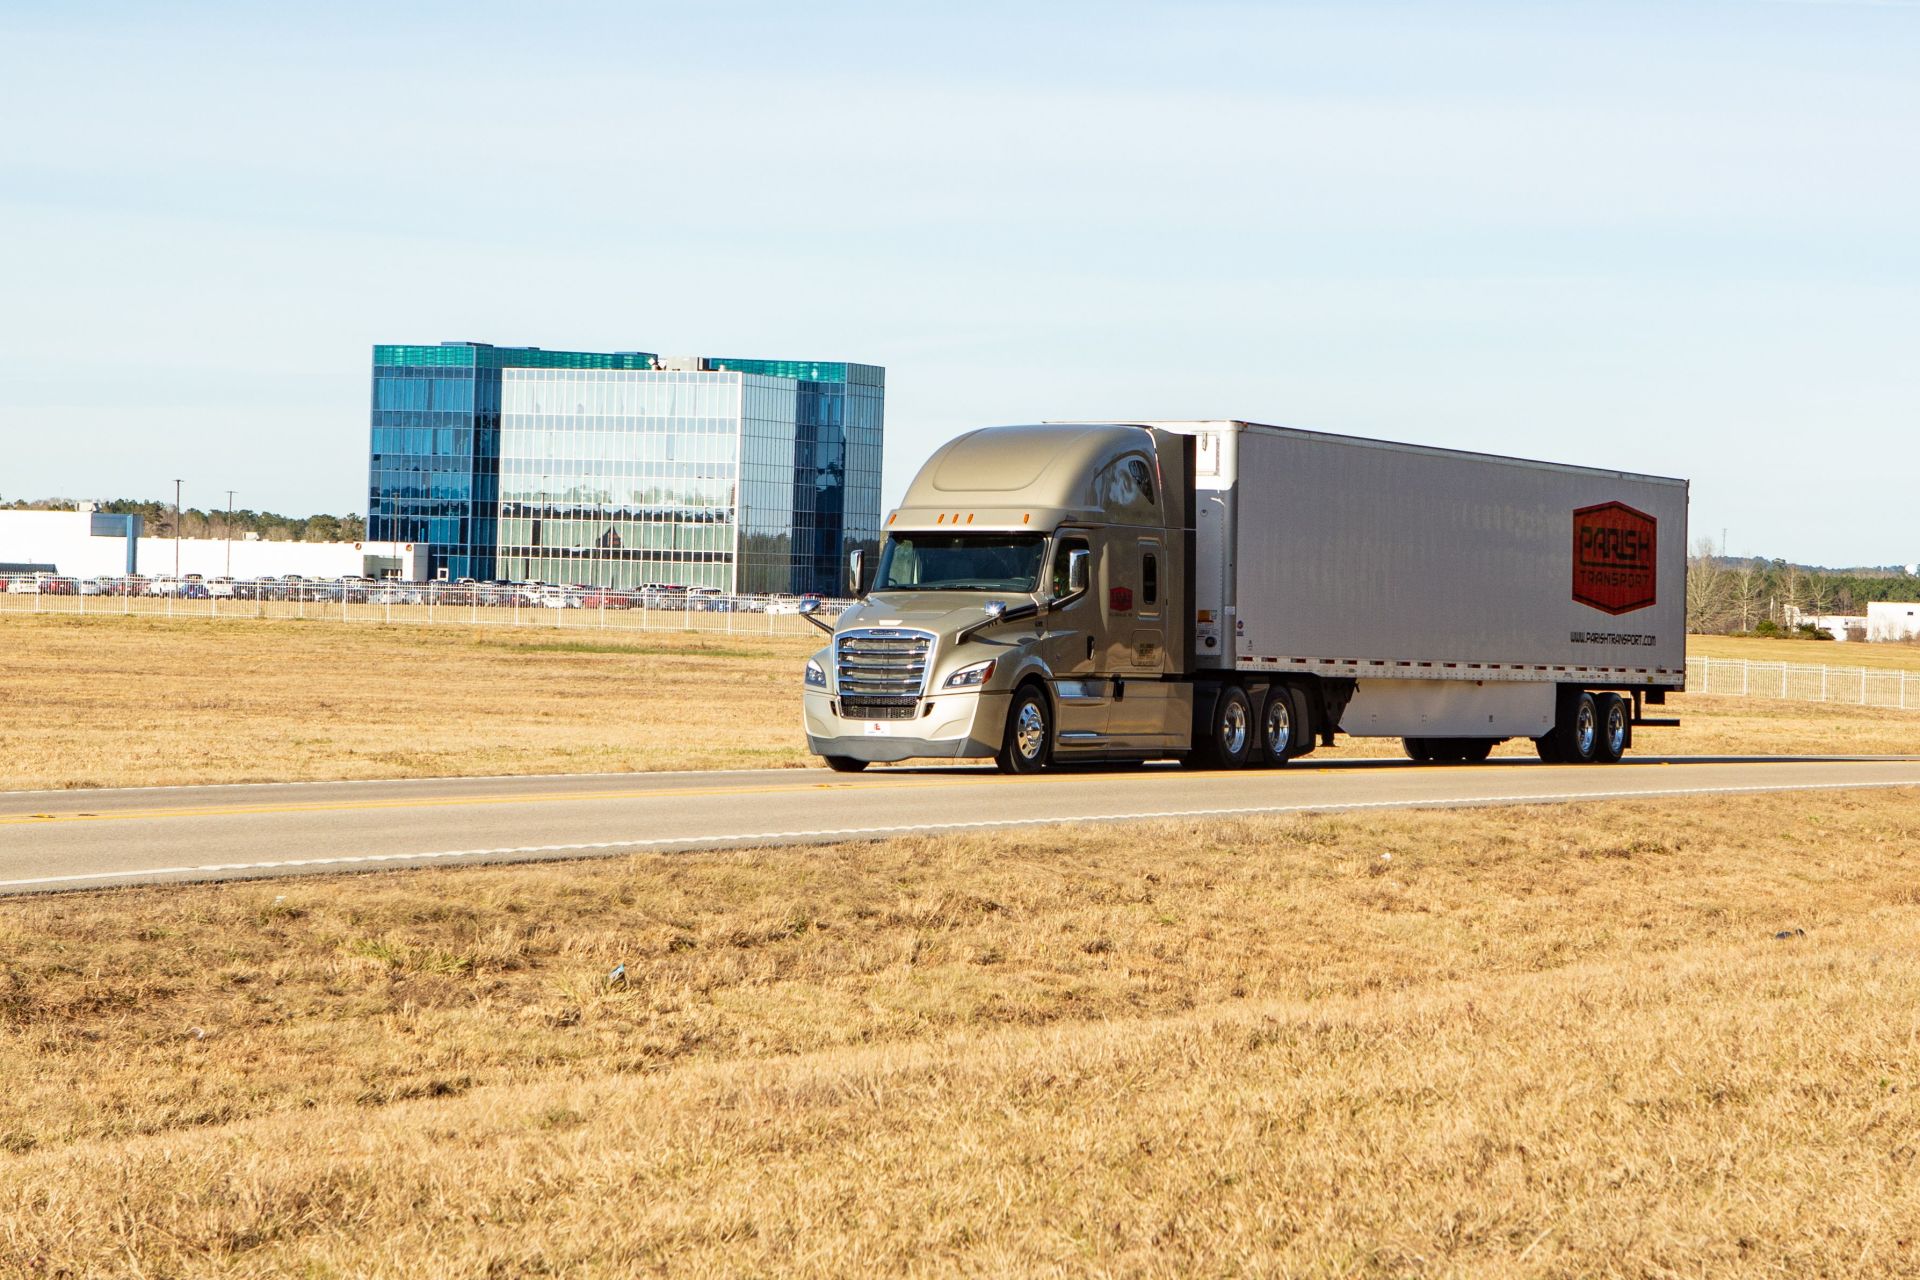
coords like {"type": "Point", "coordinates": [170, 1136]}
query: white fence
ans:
{"type": "Point", "coordinates": [676, 609]}
{"type": "Point", "coordinates": [353, 600]}
{"type": "Point", "coordinates": [1798, 682]}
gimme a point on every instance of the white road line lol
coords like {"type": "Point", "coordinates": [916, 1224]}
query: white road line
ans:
{"type": "Point", "coordinates": [776, 837]}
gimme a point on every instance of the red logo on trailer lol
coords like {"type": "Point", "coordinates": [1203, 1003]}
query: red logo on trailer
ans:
{"type": "Point", "coordinates": [1613, 557]}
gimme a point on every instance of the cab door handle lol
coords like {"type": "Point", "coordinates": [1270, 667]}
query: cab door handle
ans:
{"type": "Point", "coordinates": [1089, 648]}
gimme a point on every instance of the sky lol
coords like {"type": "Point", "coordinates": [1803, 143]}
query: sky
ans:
{"type": "Point", "coordinates": [1678, 237]}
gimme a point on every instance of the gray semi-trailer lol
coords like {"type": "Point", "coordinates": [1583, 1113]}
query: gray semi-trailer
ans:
{"type": "Point", "coordinates": [1228, 594]}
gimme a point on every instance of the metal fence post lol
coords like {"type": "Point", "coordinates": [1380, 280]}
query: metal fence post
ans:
{"type": "Point", "coordinates": [1746, 674]}
{"type": "Point", "coordinates": [1823, 683]}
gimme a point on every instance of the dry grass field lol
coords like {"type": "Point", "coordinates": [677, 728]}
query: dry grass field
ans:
{"type": "Point", "coordinates": [111, 701]}
{"type": "Point", "coordinates": [1874, 657]}
{"type": "Point", "coordinates": [1634, 1039]}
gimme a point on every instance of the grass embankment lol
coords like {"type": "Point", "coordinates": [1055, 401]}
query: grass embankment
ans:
{"type": "Point", "coordinates": [1528, 1041]}
{"type": "Point", "coordinates": [1814, 653]}
{"type": "Point", "coordinates": [111, 701]}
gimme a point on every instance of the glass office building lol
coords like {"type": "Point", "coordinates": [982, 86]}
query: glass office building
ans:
{"type": "Point", "coordinates": [623, 469]}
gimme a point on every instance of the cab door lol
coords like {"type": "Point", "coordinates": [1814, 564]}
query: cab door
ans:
{"type": "Point", "coordinates": [1069, 643]}
{"type": "Point", "coordinates": [1144, 711]}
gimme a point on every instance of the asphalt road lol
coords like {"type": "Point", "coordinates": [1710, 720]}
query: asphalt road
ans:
{"type": "Point", "coordinates": [90, 839]}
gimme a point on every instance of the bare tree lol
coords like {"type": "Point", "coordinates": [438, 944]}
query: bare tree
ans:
{"type": "Point", "coordinates": [1709, 590]}
{"type": "Point", "coordinates": [1819, 593]}
{"type": "Point", "coordinates": [1748, 586]}
{"type": "Point", "coordinates": [1793, 594]}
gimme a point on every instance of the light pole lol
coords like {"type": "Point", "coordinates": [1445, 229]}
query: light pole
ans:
{"type": "Point", "coordinates": [229, 533]}
{"type": "Point", "coordinates": [176, 534]}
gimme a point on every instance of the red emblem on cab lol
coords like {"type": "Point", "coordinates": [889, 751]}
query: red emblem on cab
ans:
{"type": "Point", "coordinates": [1613, 557]}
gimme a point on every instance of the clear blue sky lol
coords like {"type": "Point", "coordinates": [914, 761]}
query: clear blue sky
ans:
{"type": "Point", "coordinates": [1680, 237]}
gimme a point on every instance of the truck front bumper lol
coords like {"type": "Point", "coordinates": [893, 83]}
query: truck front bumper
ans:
{"type": "Point", "coordinates": [949, 726]}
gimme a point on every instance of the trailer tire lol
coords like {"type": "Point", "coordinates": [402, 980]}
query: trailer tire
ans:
{"type": "Point", "coordinates": [1473, 750]}
{"type": "Point", "coordinates": [1578, 730]}
{"type": "Point", "coordinates": [1232, 732]}
{"type": "Point", "coordinates": [844, 764]}
{"type": "Point", "coordinates": [1419, 749]}
{"type": "Point", "coordinates": [1027, 744]}
{"type": "Point", "coordinates": [1610, 741]}
{"type": "Point", "coordinates": [1283, 727]}
{"type": "Point", "coordinates": [1547, 746]}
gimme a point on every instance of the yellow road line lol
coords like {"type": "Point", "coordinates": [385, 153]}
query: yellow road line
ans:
{"type": "Point", "coordinates": [433, 802]}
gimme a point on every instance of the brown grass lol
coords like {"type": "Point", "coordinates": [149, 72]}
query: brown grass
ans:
{"type": "Point", "coordinates": [1878, 656]}
{"type": "Point", "coordinates": [1532, 1041]}
{"type": "Point", "coordinates": [110, 701]}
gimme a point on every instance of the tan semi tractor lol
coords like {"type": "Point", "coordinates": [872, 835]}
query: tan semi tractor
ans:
{"type": "Point", "coordinates": [1231, 594]}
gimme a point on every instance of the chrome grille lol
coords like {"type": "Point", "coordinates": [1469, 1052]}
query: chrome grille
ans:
{"type": "Point", "coordinates": [882, 665]}
{"type": "Point", "coordinates": [902, 709]}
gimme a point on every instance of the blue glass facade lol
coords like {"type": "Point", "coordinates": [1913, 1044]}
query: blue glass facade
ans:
{"type": "Point", "coordinates": [838, 417]}
{"type": "Point", "coordinates": [606, 469]}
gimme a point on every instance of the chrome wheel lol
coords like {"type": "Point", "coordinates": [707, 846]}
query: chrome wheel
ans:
{"type": "Point", "coordinates": [1233, 728]}
{"type": "Point", "coordinates": [1586, 729]}
{"type": "Point", "coordinates": [1616, 729]}
{"type": "Point", "coordinates": [1279, 724]}
{"type": "Point", "coordinates": [1030, 732]}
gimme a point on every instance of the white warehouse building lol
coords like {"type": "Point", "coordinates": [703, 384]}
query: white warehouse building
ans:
{"type": "Point", "coordinates": [1893, 620]}
{"type": "Point", "coordinates": [93, 544]}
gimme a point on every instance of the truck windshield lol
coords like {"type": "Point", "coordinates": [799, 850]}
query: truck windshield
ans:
{"type": "Point", "coordinates": [961, 562]}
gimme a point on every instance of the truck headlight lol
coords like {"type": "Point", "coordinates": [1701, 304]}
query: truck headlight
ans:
{"type": "Point", "coordinates": [816, 675]}
{"type": "Point", "coordinates": [972, 677]}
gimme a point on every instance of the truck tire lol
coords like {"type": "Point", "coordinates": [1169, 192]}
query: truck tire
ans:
{"type": "Point", "coordinates": [1419, 749]}
{"type": "Point", "coordinates": [1027, 744]}
{"type": "Point", "coordinates": [1610, 743]}
{"type": "Point", "coordinates": [1547, 745]}
{"type": "Point", "coordinates": [1473, 750]}
{"type": "Point", "coordinates": [1284, 729]}
{"type": "Point", "coordinates": [844, 764]}
{"type": "Point", "coordinates": [1231, 731]}
{"type": "Point", "coordinates": [1579, 728]}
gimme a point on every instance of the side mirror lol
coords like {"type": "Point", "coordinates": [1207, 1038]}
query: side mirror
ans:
{"type": "Point", "coordinates": [856, 574]}
{"type": "Point", "coordinates": [1079, 565]}
{"type": "Point", "coordinates": [810, 605]}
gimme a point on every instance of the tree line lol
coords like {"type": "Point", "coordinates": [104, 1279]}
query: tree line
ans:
{"type": "Point", "coordinates": [158, 519]}
{"type": "Point", "coordinates": [1729, 594]}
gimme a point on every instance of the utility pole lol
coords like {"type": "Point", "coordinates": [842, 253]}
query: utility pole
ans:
{"type": "Point", "coordinates": [229, 533]}
{"type": "Point", "coordinates": [176, 533]}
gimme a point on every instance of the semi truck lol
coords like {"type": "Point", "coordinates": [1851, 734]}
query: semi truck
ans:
{"type": "Point", "coordinates": [1231, 594]}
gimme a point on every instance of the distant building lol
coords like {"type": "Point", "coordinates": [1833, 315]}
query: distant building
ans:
{"type": "Point", "coordinates": [1893, 620]}
{"type": "Point", "coordinates": [625, 468]}
{"type": "Point", "coordinates": [95, 544]}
